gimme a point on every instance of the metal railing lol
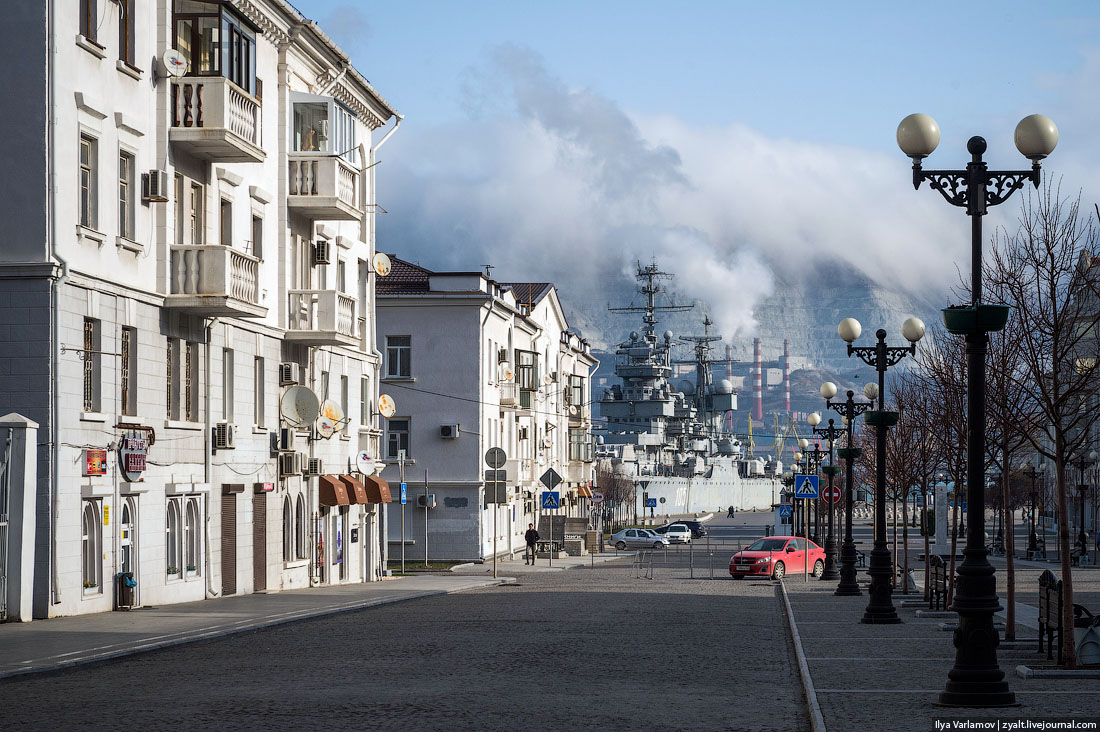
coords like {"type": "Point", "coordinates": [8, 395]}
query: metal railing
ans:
{"type": "Point", "coordinates": [5, 493]}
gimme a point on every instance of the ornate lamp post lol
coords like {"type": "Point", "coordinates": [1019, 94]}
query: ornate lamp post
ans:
{"type": "Point", "coordinates": [800, 506]}
{"type": "Point", "coordinates": [1082, 463]}
{"type": "Point", "coordinates": [1032, 539]}
{"type": "Point", "coordinates": [831, 435]}
{"type": "Point", "coordinates": [976, 679]}
{"type": "Point", "coordinates": [814, 457]}
{"type": "Point", "coordinates": [880, 608]}
{"type": "Point", "coordinates": [788, 481]}
{"type": "Point", "coordinates": [848, 411]}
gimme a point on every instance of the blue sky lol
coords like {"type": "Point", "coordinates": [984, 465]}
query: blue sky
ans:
{"type": "Point", "coordinates": [759, 136]}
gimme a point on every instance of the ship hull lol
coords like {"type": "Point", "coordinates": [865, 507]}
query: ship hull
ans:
{"type": "Point", "coordinates": [716, 493]}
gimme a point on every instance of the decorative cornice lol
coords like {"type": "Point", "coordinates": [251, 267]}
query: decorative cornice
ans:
{"type": "Point", "coordinates": [271, 31]}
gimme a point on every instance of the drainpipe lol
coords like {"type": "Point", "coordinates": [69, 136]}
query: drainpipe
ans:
{"type": "Point", "coordinates": [206, 468]}
{"type": "Point", "coordinates": [55, 289]}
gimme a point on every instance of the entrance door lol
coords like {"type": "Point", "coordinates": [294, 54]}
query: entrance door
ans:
{"type": "Point", "coordinates": [229, 544]}
{"type": "Point", "coordinates": [127, 539]}
{"type": "Point", "coordinates": [259, 542]}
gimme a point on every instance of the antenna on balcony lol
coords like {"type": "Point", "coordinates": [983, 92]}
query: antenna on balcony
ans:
{"type": "Point", "coordinates": [175, 64]}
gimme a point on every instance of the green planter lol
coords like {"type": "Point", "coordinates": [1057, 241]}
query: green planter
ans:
{"type": "Point", "coordinates": [980, 318]}
{"type": "Point", "coordinates": [883, 418]}
{"type": "Point", "coordinates": [830, 469]}
{"type": "Point", "coordinates": [849, 453]}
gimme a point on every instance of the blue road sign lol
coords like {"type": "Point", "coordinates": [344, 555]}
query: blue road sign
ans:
{"type": "Point", "coordinates": [550, 499]}
{"type": "Point", "coordinates": [404, 493]}
{"type": "Point", "coordinates": [805, 486]}
{"type": "Point", "coordinates": [651, 503]}
{"type": "Point", "coordinates": [785, 511]}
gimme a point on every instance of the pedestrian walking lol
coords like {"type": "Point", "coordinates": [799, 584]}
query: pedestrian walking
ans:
{"type": "Point", "coordinates": [532, 538]}
{"type": "Point", "coordinates": [729, 514]}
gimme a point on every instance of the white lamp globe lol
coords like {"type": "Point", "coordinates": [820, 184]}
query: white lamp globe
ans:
{"type": "Point", "coordinates": [849, 329]}
{"type": "Point", "coordinates": [870, 391]}
{"type": "Point", "coordinates": [803, 443]}
{"type": "Point", "coordinates": [828, 390]}
{"type": "Point", "coordinates": [918, 135]}
{"type": "Point", "coordinates": [913, 329]}
{"type": "Point", "coordinates": [814, 419]}
{"type": "Point", "coordinates": [797, 456]}
{"type": "Point", "coordinates": [1036, 136]}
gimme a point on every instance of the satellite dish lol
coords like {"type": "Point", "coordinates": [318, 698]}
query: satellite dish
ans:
{"type": "Point", "coordinates": [548, 380]}
{"type": "Point", "coordinates": [325, 427]}
{"type": "Point", "coordinates": [332, 411]}
{"type": "Point", "coordinates": [382, 264]}
{"type": "Point", "coordinates": [542, 458]}
{"type": "Point", "coordinates": [175, 63]}
{"type": "Point", "coordinates": [299, 406]}
{"type": "Point", "coordinates": [505, 371]}
{"type": "Point", "coordinates": [546, 442]}
{"type": "Point", "coordinates": [573, 410]}
{"type": "Point", "coordinates": [386, 405]}
{"type": "Point", "coordinates": [541, 394]}
{"type": "Point", "coordinates": [364, 462]}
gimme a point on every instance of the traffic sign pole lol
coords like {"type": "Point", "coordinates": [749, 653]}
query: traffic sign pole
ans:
{"type": "Point", "coordinates": [401, 463]}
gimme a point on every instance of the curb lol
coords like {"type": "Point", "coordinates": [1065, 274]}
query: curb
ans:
{"type": "Point", "coordinates": [223, 632]}
{"type": "Point", "coordinates": [1027, 672]}
{"type": "Point", "coordinates": [817, 721]}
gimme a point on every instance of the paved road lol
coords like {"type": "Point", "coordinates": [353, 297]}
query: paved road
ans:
{"type": "Point", "coordinates": [582, 649]}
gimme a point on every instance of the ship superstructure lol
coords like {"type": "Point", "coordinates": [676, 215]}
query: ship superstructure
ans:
{"type": "Point", "coordinates": [674, 437]}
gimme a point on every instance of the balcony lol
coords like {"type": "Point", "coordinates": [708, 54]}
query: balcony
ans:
{"type": "Point", "coordinates": [322, 318]}
{"type": "Point", "coordinates": [324, 187]}
{"type": "Point", "coordinates": [214, 281]}
{"type": "Point", "coordinates": [509, 394]}
{"type": "Point", "coordinates": [216, 120]}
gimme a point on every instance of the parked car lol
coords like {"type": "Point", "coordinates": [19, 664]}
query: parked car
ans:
{"type": "Point", "coordinates": [698, 529]}
{"type": "Point", "coordinates": [637, 539]}
{"type": "Point", "coordinates": [676, 533]}
{"type": "Point", "coordinates": [778, 556]}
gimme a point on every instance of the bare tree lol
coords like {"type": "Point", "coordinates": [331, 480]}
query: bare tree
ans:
{"type": "Point", "coordinates": [1045, 272]}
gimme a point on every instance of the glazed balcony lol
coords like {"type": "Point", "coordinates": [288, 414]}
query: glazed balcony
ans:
{"type": "Point", "coordinates": [214, 119]}
{"type": "Point", "coordinates": [322, 318]}
{"type": "Point", "coordinates": [214, 281]}
{"type": "Point", "coordinates": [323, 187]}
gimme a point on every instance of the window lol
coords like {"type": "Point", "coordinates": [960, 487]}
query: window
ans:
{"type": "Point", "coordinates": [344, 396]}
{"type": "Point", "coordinates": [364, 401]}
{"type": "Point", "coordinates": [341, 275]}
{"type": "Point", "coordinates": [91, 365]}
{"type": "Point", "coordinates": [574, 395]}
{"type": "Point", "coordinates": [301, 542]}
{"type": "Point", "coordinates": [323, 125]}
{"type": "Point", "coordinates": [193, 538]}
{"type": "Point", "coordinates": [129, 371]}
{"type": "Point", "coordinates": [181, 212]}
{"type": "Point", "coordinates": [91, 531]}
{"type": "Point", "coordinates": [527, 370]}
{"type": "Point", "coordinates": [577, 441]}
{"type": "Point", "coordinates": [258, 389]}
{"type": "Point", "coordinates": [172, 360]}
{"type": "Point", "coordinates": [126, 195]}
{"type": "Point", "coordinates": [397, 437]}
{"type": "Point", "coordinates": [89, 18]}
{"type": "Point", "coordinates": [288, 531]}
{"type": "Point", "coordinates": [226, 221]}
{"type": "Point", "coordinates": [191, 382]}
{"type": "Point", "coordinates": [323, 395]}
{"type": "Point", "coordinates": [216, 41]}
{"type": "Point", "coordinates": [227, 384]}
{"type": "Point", "coordinates": [126, 31]}
{"type": "Point", "coordinates": [173, 539]}
{"type": "Point", "coordinates": [196, 214]}
{"type": "Point", "coordinates": [88, 189]}
{"type": "Point", "coordinates": [257, 237]}
{"type": "Point", "coordinates": [398, 355]}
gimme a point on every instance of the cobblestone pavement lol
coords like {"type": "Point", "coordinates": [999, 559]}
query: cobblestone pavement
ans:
{"type": "Point", "coordinates": [580, 649]}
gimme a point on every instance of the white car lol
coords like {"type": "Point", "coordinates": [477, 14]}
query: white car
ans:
{"type": "Point", "coordinates": [678, 534]}
{"type": "Point", "coordinates": [637, 539]}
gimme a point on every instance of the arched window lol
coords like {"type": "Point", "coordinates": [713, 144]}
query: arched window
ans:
{"type": "Point", "coordinates": [128, 536]}
{"type": "Point", "coordinates": [193, 537]}
{"type": "Point", "coordinates": [288, 531]}
{"type": "Point", "coordinates": [172, 538]}
{"type": "Point", "coordinates": [300, 528]}
{"type": "Point", "coordinates": [90, 552]}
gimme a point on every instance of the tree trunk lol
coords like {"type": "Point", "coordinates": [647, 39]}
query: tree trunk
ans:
{"type": "Point", "coordinates": [954, 543]}
{"type": "Point", "coordinates": [905, 546]}
{"type": "Point", "coordinates": [1010, 573]}
{"type": "Point", "coordinates": [927, 539]}
{"type": "Point", "coordinates": [894, 583]}
{"type": "Point", "coordinates": [1063, 551]}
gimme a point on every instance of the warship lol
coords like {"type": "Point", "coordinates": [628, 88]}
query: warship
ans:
{"type": "Point", "coordinates": [674, 440]}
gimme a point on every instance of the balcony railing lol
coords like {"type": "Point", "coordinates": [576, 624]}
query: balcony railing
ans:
{"type": "Point", "coordinates": [322, 317]}
{"type": "Point", "coordinates": [323, 187]}
{"type": "Point", "coordinates": [509, 394]}
{"type": "Point", "coordinates": [215, 280]}
{"type": "Point", "coordinates": [216, 119]}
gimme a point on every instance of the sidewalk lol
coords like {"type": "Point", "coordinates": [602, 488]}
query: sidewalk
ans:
{"type": "Point", "coordinates": [57, 643]}
{"type": "Point", "coordinates": [512, 566]}
{"type": "Point", "coordinates": [888, 677]}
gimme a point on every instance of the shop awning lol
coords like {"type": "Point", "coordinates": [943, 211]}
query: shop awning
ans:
{"type": "Point", "coordinates": [331, 491]}
{"type": "Point", "coordinates": [584, 491]}
{"type": "Point", "coordinates": [356, 491]}
{"type": "Point", "coordinates": [378, 490]}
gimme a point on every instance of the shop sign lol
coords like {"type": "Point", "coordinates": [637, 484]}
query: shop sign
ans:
{"type": "Point", "coordinates": [131, 457]}
{"type": "Point", "coordinates": [95, 462]}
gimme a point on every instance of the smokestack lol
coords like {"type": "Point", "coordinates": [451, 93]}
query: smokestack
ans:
{"type": "Point", "coordinates": [786, 375]}
{"type": "Point", "coordinates": [757, 382]}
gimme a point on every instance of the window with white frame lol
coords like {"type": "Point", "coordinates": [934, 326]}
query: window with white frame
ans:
{"type": "Point", "coordinates": [225, 213]}
{"type": "Point", "coordinates": [227, 384]}
{"type": "Point", "coordinates": [195, 212]}
{"type": "Point", "coordinates": [288, 530]}
{"type": "Point", "coordinates": [91, 364]}
{"type": "Point", "coordinates": [345, 395]}
{"type": "Point", "coordinates": [364, 401]}
{"type": "Point", "coordinates": [172, 378]}
{"type": "Point", "coordinates": [578, 438]}
{"type": "Point", "coordinates": [397, 437]}
{"type": "Point", "coordinates": [128, 375]}
{"type": "Point", "coordinates": [126, 195]}
{"type": "Point", "coordinates": [257, 237]}
{"type": "Point", "coordinates": [192, 538]}
{"type": "Point", "coordinates": [190, 396]}
{"type": "Point", "coordinates": [91, 530]}
{"type": "Point", "coordinates": [575, 392]}
{"type": "Point", "coordinates": [89, 170]}
{"type": "Point", "coordinates": [258, 391]}
{"type": "Point", "coordinates": [398, 357]}
{"type": "Point", "coordinates": [89, 19]}
{"type": "Point", "coordinates": [301, 539]}
{"type": "Point", "coordinates": [126, 31]}
{"type": "Point", "coordinates": [181, 211]}
{"type": "Point", "coordinates": [173, 530]}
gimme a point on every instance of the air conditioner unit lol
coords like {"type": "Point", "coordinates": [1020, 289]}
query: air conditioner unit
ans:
{"type": "Point", "coordinates": [425, 501]}
{"type": "Point", "coordinates": [502, 355]}
{"type": "Point", "coordinates": [223, 436]}
{"type": "Point", "coordinates": [289, 373]}
{"type": "Point", "coordinates": [287, 437]}
{"type": "Point", "coordinates": [449, 431]}
{"type": "Point", "coordinates": [314, 467]}
{"type": "Point", "coordinates": [154, 186]}
{"type": "Point", "coordinates": [523, 433]}
{"type": "Point", "coordinates": [322, 252]}
{"type": "Point", "coordinates": [290, 463]}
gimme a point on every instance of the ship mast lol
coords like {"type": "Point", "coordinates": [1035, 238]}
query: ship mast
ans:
{"type": "Point", "coordinates": [650, 277]}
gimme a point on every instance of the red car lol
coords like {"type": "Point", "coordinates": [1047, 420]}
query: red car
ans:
{"type": "Point", "coordinates": [777, 556]}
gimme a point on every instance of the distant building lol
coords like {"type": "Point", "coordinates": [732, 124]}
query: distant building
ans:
{"type": "Point", "coordinates": [471, 364]}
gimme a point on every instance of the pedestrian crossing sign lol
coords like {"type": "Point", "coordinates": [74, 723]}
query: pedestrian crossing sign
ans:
{"type": "Point", "coordinates": [785, 511]}
{"type": "Point", "coordinates": [550, 499]}
{"type": "Point", "coordinates": [805, 486]}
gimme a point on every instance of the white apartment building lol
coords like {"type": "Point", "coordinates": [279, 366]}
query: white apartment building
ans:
{"type": "Point", "coordinates": [189, 235]}
{"type": "Point", "coordinates": [472, 364]}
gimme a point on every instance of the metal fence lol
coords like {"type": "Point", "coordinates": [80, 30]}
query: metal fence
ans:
{"type": "Point", "coordinates": [5, 493]}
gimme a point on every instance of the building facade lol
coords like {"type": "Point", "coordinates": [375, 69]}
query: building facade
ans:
{"type": "Point", "coordinates": [473, 364]}
{"type": "Point", "coordinates": [191, 236]}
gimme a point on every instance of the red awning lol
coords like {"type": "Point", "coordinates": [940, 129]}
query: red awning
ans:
{"type": "Point", "coordinates": [584, 491]}
{"type": "Point", "coordinates": [331, 491]}
{"type": "Point", "coordinates": [378, 490]}
{"type": "Point", "coordinates": [356, 491]}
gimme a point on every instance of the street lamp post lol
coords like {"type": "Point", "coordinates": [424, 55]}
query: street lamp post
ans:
{"type": "Point", "coordinates": [1032, 539]}
{"type": "Point", "coordinates": [831, 435]}
{"type": "Point", "coordinates": [976, 680]}
{"type": "Point", "coordinates": [814, 457]}
{"type": "Point", "coordinates": [880, 608]}
{"type": "Point", "coordinates": [848, 411]}
{"type": "Point", "coordinates": [1082, 464]}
